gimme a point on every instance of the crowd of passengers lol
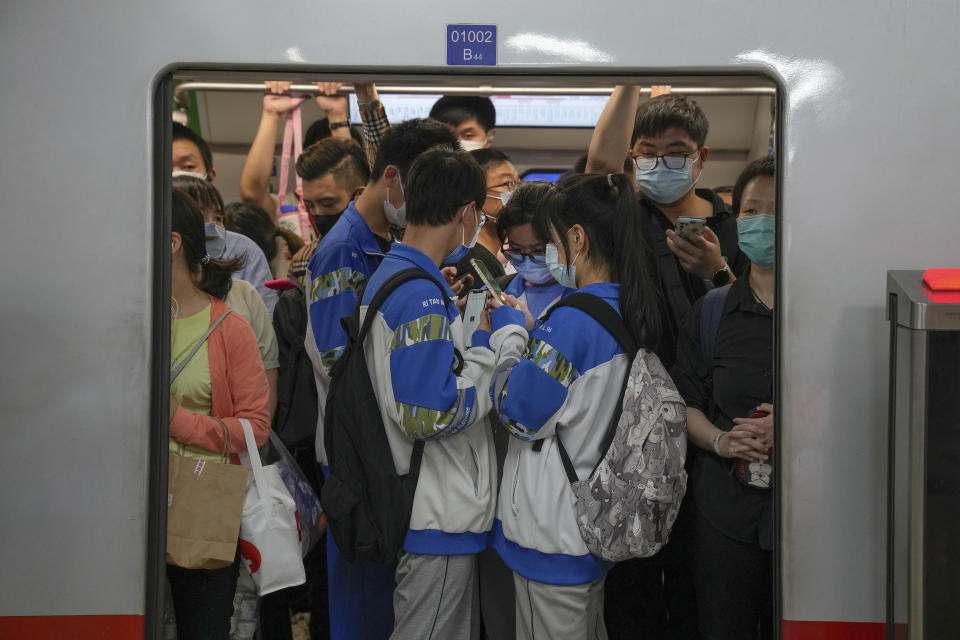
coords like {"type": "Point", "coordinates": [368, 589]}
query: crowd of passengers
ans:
{"type": "Point", "coordinates": [492, 549]}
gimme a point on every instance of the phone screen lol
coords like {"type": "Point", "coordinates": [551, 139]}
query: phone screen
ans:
{"type": "Point", "coordinates": [476, 301]}
{"type": "Point", "coordinates": [690, 226]}
{"type": "Point", "coordinates": [487, 277]}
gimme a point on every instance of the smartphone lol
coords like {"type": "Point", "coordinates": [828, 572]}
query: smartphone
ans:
{"type": "Point", "coordinates": [487, 278]}
{"type": "Point", "coordinates": [691, 226]}
{"type": "Point", "coordinates": [476, 301]}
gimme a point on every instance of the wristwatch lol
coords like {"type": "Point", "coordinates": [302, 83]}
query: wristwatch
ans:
{"type": "Point", "coordinates": [337, 125]}
{"type": "Point", "coordinates": [721, 276]}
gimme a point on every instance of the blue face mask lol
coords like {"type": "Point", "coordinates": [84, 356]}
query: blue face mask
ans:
{"type": "Point", "coordinates": [565, 274]}
{"type": "Point", "coordinates": [666, 186]}
{"type": "Point", "coordinates": [532, 272]}
{"type": "Point", "coordinates": [216, 239]}
{"type": "Point", "coordinates": [756, 238]}
{"type": "Point", "coordinates": [461, 252]}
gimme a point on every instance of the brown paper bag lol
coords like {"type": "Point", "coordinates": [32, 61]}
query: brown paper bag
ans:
{"type": "Point", "coordinates": [204, 506]}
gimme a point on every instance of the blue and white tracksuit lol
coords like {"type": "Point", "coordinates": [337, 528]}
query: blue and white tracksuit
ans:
{"type": "Point", "coordinates": [411, 354]}
{"type": "Point", "coordinates": [537, 299]}
{"type": "Point", "coordinates": [339, 269]}
{"type": "Point", "coordinates": [564, 381]}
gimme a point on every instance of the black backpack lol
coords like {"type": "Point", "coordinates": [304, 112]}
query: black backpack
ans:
{"type": "Point", "coordinates": [367, 502]}
{"type": "Point", "coordinates": [295, 420]}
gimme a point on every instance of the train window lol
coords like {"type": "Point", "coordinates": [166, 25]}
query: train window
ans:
{"type": "Point", "coordinates": [550, 175]}
{"type": "Point", "coordinates": [543, 125]}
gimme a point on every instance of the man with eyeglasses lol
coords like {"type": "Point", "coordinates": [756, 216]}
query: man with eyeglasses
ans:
{"type": "Point", "coordinates": [666, 139]}
{"type": "Point", "coordinates": [502, 180]}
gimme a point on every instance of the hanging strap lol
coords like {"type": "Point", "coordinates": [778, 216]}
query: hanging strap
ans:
{"type": "Point", "coordinates": [177, 368]}
{"type": "Point", "coordinates": [292, 145]}
{"type": "Point", "coordinates": [251, 459]}
{"type": "Point", "coordinates": [610, 320]}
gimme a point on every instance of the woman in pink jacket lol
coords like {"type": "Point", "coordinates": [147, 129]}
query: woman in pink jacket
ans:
{"type": "Point", "coordinates": [223, 382]}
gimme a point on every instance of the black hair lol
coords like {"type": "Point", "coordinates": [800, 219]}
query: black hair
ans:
{"type": "Point", "coordinates": [723, 189]}
{"type": "Point", "coordinates": [320, 130]}
{"type": "Point", "coordinates": [455, 110]}
{"type": "Point", "coordinates": [659, 114]}
{"type": "Point", "coordinates": [580, 166]}
{"type": "Point", "coordinates": [216, 275]}
{"type": "Point", "coordinates": [523, 205]}
{"type": "Point", "coordinates": [255, 223]}
{"type": "Point", "coordinates": [758, 168]}
{"type": "Point", "coordinates": [202, 192]}
{"type": "Point", "coordinates": [343, 158]}
{"type": "Point", "coordinates": [606, 207]}
{"type": "Point", "coordinates": [440, 181]}
{"type": "Point", "coordinates": [183, 132]}
{"type": "Point", "coordinates": [405, 141]}
{"type": "Point", "coordinates": [487, 158]}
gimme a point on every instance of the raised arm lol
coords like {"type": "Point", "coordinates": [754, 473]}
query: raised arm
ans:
{"type": "Point", "coordinates": [610, 143]}
{"type": "Point", "coordinates": [336, 107]}
{"type": "Point", "coordinates": [374, 116]}
{"type": "Point", "coordinates": [255, 178]}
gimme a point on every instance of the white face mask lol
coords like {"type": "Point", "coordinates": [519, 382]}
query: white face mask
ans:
{"type": "Point", "coordinates": [397, 216]}
{"type": "Point", "coordinates": [473, 145]}
{"type": "Point", "coordinates": [190, 174]}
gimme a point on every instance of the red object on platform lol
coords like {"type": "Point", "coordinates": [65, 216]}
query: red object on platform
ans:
{"type": "Point", "coordinates": [121, 627]}
{"type": "Point", "coordinates": [942, 279]}
{"type": "Point", "coordinates": [815, 630]}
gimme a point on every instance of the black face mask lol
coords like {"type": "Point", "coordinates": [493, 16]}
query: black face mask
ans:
{"type": "Point", "coordinates": [325, 223]}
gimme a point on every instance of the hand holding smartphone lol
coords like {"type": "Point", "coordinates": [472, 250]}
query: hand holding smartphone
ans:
{"type": "Point", "coordinates": [687, 227]}
{"type": "Point", "coordinates": [487, 278]}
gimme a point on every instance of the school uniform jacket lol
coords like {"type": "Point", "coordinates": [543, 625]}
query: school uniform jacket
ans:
{"type": "Point", "coordinates": [338, 271]}
{"type": "Point", "coordinates": [411, 353]}
{"type": "Point", "coordinates": [563, 382]}
{"type": "Point", "coordinates": [518, 289]}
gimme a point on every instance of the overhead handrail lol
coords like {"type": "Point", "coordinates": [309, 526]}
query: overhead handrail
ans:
{"type": "Point", "coordinates": [482, 90]}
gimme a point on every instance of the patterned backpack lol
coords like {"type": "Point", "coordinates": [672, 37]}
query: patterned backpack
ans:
{"type": "Point", "coordinates": [627, 506]}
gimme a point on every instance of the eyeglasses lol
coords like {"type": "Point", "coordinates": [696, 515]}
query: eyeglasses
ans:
{"type": "Point", "coordinates": [537, 256]}
{"type": "Point", "coordinates": [646, 162]}
{"type": "Point", "coordinates": [510, 185]}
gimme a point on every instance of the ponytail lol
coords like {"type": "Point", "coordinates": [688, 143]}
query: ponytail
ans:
{"type": "Point", "coordinates": [606, 207]}
{"type": "Point", "coordinates": [216, 276]}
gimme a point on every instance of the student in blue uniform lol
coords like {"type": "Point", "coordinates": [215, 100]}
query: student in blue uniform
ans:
{"type": "Point", "coordinates": [360, 594]}
{"type": "Point", "coordinates": [533, 285]}
{"type": "Point", "coordinates": [431, 387]}
{"type": "Point", "coordinates": [563, 382]}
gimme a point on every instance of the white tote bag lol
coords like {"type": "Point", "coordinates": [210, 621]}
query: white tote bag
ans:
{"type": "Point", "coordinates": [269, 530]}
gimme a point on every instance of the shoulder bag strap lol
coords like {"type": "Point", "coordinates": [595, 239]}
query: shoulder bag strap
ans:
{"type": "Point", "coordinates": [710, 315]}
{"type": "Point", "coordinates": [388, 287]}
{"type": "Point", "coordinates": [610, 320]}
{"type": "Point", "coordinates": [178, 368]}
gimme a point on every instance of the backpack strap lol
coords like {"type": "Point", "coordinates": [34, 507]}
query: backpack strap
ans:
{"type": "Point", "coordinates": [610, 320]}
{"type": "Point", "coordinates": [670, 277]}
{"type": "Point", "coordinates": [710, 315]}
{"type": "Point", "coordinates": [178, 367]}
{"type": "Point", "coordinates": [352, 322]}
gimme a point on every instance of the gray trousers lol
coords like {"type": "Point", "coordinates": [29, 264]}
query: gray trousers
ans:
{"type": "Point", "coordinates": [437, 597]}
{"type": "Point", "coordinates": [559, 612]}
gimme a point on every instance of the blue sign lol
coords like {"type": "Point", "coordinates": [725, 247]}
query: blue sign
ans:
{"type": "Point", "coordinates": [472, 45]}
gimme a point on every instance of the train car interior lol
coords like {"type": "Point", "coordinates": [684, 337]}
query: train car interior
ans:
{"type": "Point", "coordinates": [543, 123]}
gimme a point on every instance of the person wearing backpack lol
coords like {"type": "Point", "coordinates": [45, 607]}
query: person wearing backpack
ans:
{"type": "Point", "coordinates": [337, 274]}
{"type": "Point", "coordinates": [557, 391]}
{"type": "Point", "coordinates": [432, 389]}
{"type": "Point", "coordinates": [724, 371]}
